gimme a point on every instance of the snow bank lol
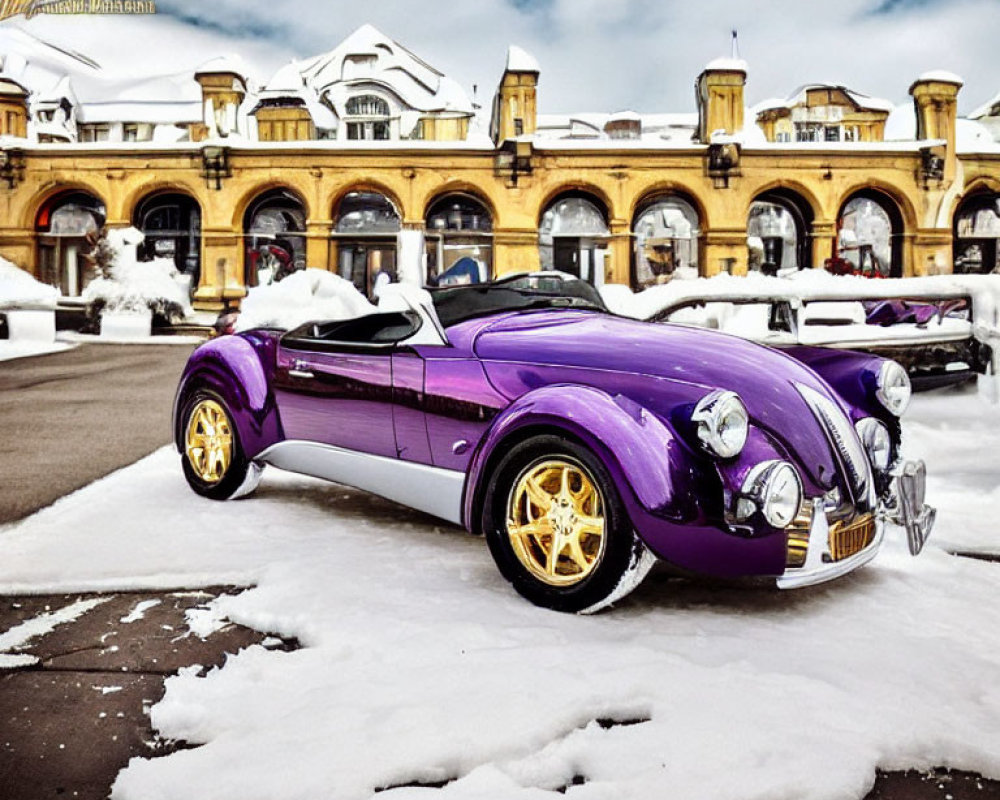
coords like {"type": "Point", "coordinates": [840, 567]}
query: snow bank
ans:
{"type": "Point", "coordinates": [309, 294]}
{"type": "Point", "coordinates": [138, 285]}
{"type": "Point", "coordinates": [18, 289]}
{"type": "Point", "coordinates": [421, 664]}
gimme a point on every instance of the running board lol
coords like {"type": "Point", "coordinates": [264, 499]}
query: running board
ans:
{"type": "Point", "coordinates": [433, 490]}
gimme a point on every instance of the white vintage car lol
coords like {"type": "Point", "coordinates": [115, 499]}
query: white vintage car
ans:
{"type": "Point", "coordinates": [943, 329]}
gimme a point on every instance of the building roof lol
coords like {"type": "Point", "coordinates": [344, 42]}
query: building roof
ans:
{"type": "Point", "coordinates": [519, 60]}
{"type": "Point", "coordinates": [798, 97]}
{"type": "Point", "coordinates": [369, 58]}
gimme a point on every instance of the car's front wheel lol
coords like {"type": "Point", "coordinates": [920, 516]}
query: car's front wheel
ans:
{"type": "Point", "coordinates": [558, 530]}
{"type": "Point", "coordinates": [213, 459]}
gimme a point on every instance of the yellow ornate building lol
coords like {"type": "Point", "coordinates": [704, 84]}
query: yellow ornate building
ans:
{"type": "Point", "coordinates": [368, 160]}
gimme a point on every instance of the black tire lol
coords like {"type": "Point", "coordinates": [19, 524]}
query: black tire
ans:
{"type": "Point", "coordinates": [612, 567]}
{"type": "Point", "coordinates": [229, 483]}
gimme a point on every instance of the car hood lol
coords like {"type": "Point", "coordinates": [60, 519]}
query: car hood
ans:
{"type": "Point", "coordinates": [692, 361]}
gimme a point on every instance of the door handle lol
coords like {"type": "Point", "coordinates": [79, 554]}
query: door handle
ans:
{"type": "Point", "coordinates": [300, 369]}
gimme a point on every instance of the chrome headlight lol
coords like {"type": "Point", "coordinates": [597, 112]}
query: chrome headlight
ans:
{"type": "Point", "coordinates": [875, 437]}
{"type": "Point", "coordinates": [773, 487]}
{"type": "Point", "coordinates": [893, 388]}
{"type": "Point", "coordinates": [723, 423]}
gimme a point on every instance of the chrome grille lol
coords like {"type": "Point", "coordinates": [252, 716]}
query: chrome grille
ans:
{"type": "Point", "coordinates": [797, 546]}
{"type": "Point", "coordinates": [849, 538]}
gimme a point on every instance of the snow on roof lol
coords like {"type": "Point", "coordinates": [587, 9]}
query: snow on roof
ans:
{"type": "Point", "coordinates": [370, 58]}
{"type": "Point", "coordinates": [974, 137]}
{"type": "Point", "coordinates": [941, 76]}
{"type": "Point", "coordinates": [624, 116]}
{"type": "Point", "coordinates": [901, 124]}
{"type": "Point", "coordinates": [9, 86]}
{"type": "Point", "coordinates": [588, 127]}
{"type": "Point", "coordinates": [727, 65]}
{"type": "Point", "coordinates": [987, 109]}
{"type": "Point", "coordinates": [520, 60]}
{"type": "Point", "coordinates": [798, 97]}
{"type": "Point", "coordinates": [229, 64]}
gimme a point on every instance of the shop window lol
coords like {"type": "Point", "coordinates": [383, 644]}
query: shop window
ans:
{"type": "Point", "coordinates": [366, 232]}
{"type": "Point", "coordinates": [665, 241]}
{"type": "Point", "coordinates": [171, 224]}
{"type": "Point", "coordinates": [977, 234]}
{"type": "Point", "coordinates": [66, 227]}
{"type": "Point", "coordinates": [274, 237]}
{"type": "Point", "coordinates": [573, 237]}
{"type": "Point", "coordinates": [459, 240]}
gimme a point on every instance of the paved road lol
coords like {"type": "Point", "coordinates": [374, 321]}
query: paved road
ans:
{"type": "Point", "coordinates": [69, 418]}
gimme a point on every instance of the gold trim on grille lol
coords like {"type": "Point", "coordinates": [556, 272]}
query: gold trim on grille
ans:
{"type": "Point", "coordinates": [848, 539]}
{"type": "Point", "coordinates": [797, 546]}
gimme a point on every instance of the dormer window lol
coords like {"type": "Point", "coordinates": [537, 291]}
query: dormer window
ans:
{"type": "Point", "coordinates": [367, 118]}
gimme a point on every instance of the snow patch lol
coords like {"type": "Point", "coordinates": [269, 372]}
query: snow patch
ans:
{"type": "Point", "coordinates": [139, 611]}
{"type": "Point", "coordinates": [306, 295]}
{"type": "Point", "coordinates": [21, 635]}
{"type": "Point", "coordinates": [19, 289]}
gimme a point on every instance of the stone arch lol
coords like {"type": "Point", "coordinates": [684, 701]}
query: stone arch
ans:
{"type": "Point", "coordinates": [247, 198]}
{"type": "Point", "coordinates": [366, 235]}
{"type": "Point", "coordinates": [459, 187]}
{"type": "Point", "coordinates": [147, 189]}
{"type": "Point", "coordinates": [779, 229]}
{"type": "Point", "coordinates": [666, 228]}
{"type": "Point", "coordinates": [171, 222]}
{"type": "Point", "coordinates": [458, 237]}
{"type": "Point", "coordinates": [273, 227]}
{"type": "Point", "coordinates": [872, 225]}
{"type": "Point", "coordinates": [570, 238]}
{"type": "Point", "coordinates": [976, 229]}
{"type": "Point", "coordinates": [579, 188]}
{"type": "Point", "coordinates": [62, 244]}
{"type": "Point", "coordinates": [38, 202]}
{"type": "Point", "coordinates": [641, 198]}
{"type": "Point", "coordinates": [336, 197]}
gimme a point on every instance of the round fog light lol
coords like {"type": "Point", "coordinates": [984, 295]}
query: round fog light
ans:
{"type": "Point", "coordinates": [773, 487]}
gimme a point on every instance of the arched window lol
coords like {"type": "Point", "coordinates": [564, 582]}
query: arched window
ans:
{"type": "Point", "coordinates": [63, 225]}
{"type": "Point", "coordinates": [977, 234]}
{"type": "Point", "coordinates": [573, 237]}
{"type": "Point", "coordinates": [870, 234]}
{"type": "Point", "coordinates": [367, 117]}
{"type": "Point", "coordinates": [274, 228]}
{"type": "Point", "coordinates": [778, 232]}
{"type": "Point", "coordinates": [665, 241]}
{"type": "Point", "coordinates": [459, 236]}
{"type": "Point", "coordinates": [171, 223]}
{"type": "Point", "coordinates": [366, 233]}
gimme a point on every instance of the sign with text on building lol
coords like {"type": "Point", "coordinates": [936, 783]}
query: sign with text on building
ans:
{"type": "Point", "coordinates": [31, 8]}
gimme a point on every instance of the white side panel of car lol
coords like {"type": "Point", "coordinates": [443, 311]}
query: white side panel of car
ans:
{"type": "Point", "coordinates": [429, 489]}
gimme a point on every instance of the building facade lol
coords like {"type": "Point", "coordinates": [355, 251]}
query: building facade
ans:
{"type": "Point", "coordinates": [366, 160]}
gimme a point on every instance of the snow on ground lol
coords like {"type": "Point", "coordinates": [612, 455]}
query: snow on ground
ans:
{"type": "Point", "coordinates": [421, 664]}
{"type": "Point", "coordinates": [23, 349]}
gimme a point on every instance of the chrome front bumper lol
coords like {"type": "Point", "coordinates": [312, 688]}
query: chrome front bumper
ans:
{"type": "Point", "coordinates": [906, 508]}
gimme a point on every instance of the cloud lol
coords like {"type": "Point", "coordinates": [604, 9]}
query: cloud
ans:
{"type": "Point", "coordinates": [594, 55]}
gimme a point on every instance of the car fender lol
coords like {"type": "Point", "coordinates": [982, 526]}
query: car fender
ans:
{"type": "Point", "coordinates": [237, 369]}
{"type": "Point", "coordinates": [852, 375]}
{"type": "Point", "coordinates": [645, 457]}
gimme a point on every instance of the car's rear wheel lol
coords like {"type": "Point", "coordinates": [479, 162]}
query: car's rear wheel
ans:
{"type": "Point", "coordinates": [558, 530]}
{"type": "Point", "coordinates": [213, 459]}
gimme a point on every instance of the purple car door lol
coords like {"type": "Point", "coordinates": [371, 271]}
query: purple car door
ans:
{"type": "Point", "coordinates": [340, 396]}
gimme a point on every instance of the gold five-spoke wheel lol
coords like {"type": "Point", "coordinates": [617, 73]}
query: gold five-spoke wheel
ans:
{"type": "Point", "coordinates": [209, 441]}
{"type": "Point", "coordinates": [556, 523]}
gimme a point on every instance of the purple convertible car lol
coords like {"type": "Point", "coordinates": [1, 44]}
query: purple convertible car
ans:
{"type": "Point", "coordinates": [583, 445]}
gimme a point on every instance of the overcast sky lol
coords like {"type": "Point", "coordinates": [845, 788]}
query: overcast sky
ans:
{"type": "Point", "coordinates": [595, 55]}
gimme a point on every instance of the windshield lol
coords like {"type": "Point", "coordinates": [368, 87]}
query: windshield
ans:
{"type": "Point", "coordinates": [456, 304]}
